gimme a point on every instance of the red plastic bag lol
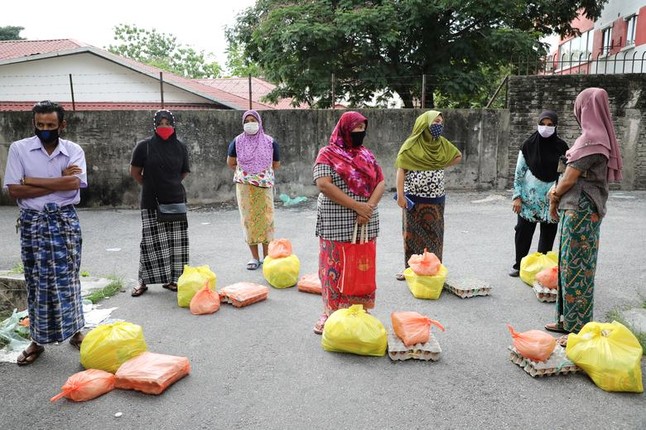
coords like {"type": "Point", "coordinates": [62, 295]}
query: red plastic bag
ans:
{"type": "Point", "coordinates": [533, 344]}
{"type": "Point", "coordinates": [413, 327]}
{"type": "Point", "coordinates": [279, 248]}
{"type": "Point", "coordinates": [426, 264]}
{"type": "Point", "coordinates": [151, 373]}
{"type": "Point", "coordinates": [205, 301]}
{"type": "Point", "coordinates": [309, 283]}
{"type": "Point", "coordinates": [358, 275]}
{"type": "Point", "coordinates": [548, 277]}
{"type": "Point", "coordinates": [86, 385]}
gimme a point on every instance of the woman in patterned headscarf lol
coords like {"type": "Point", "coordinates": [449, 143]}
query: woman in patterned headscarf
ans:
{"type": "Point", "coordinates": [160, 164]}
{"type": "Point", "coordinates": [580, 197]}
{"type": "Point", "coordinates": [351, 184]}
{"type": "Point", "coordinates": [420, 185]}
{"type": "Point", "coordinates": [253, 156]}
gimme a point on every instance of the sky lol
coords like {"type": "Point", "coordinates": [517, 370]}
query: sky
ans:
{"type": "Point", "coordinates": [198, 24]}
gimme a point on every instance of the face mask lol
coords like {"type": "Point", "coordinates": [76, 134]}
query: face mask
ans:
{"type": "Point", "coordinates": [47, 136]}
{"type": "Point", "coordinates": [546, 130]}
{"type": "Point", "coordinates": [436, 130]}
{"type": "Point", "coordinates": [165, 132]}
{"type": "Point", "coordinates": [251, 127]}
{"type": "Point", "coordinates": [357, 138]}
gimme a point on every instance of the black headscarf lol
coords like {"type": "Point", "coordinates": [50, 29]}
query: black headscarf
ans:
{"type": "Point", "coordinates": [542, 154]}
{"type": "Point", "coordinates": [163, 113]}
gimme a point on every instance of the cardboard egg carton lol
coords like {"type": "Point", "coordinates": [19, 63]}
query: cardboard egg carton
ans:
{"type": "Point", "coordinates": [420, 351]}
{"type": "Point", "coordinates": [557, 364]}
{"type": "Point", "coordinates": [468, 287]}
{"type": "Point", "coordinates": [544, 294]}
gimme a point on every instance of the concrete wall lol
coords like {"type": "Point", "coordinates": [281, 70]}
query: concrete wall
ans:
{"type": "Point", "coordinates": [488, 139]}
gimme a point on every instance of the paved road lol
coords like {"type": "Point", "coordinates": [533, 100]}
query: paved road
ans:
{"type": "Point", "coordinates": [262, 367]}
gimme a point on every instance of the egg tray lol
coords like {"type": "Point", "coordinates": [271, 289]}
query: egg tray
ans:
{"type": "Point", "coordinates": [556, 364]}
{"type": "Point", "coordinates": [544, 294]}
{"type": "Point", "coordinates": [398, 351]}
{"type": "Point", "coordinates": [467, 288]}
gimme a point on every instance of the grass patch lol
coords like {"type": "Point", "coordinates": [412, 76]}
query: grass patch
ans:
{"type": "Point", "coordinates": [615, 315]}
{"type": "Point", "coordinates": [17, 269]}
{"type": "Point", "coordinates": [108, 291]}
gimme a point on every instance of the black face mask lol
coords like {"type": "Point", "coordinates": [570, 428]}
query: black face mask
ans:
{"type": "Point", "coordinates": [357, 138]}
{"type": "Point", "coordinates": [47, 136]}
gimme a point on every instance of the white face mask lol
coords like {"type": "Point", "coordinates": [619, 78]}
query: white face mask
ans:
{"type": "Point", "coordinates": [546, 130]}
{"type": "Point", "coordinates": [251, 127]}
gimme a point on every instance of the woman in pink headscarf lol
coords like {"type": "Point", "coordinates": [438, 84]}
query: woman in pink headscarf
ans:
{"type": "Point", "coordinates": [254, 155]}
{"type": "Point", "coordinates": [351, 184]}
{"type": "Point", "coordinates": [580, 197]}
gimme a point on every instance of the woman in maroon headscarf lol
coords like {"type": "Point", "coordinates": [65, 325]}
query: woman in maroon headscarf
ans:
{"type": "Point", "coordinates": [253, 156]}
{"type": "Point", "coordinates": [580, 197]}
{"type": "Point", "coordinates": [351, 184]}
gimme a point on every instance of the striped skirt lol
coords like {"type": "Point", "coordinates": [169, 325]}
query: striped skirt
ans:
{"type": "Point", "coordinates": [51, 255]}
{"type": "Point", "coordinates": [330, 269]}
{"type": "Point", "coordinates": [579, 245]}
{"type": "Point", "coordinates": [163, 251]}
{"type": "Point", "coordinates": [423, 228]}
{"type": "Point", "coordinates": [256, 206]}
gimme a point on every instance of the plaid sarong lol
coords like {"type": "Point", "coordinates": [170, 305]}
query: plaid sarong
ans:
{"type": "Point", "coordinates": [51, 256]}
{"type": "Point", "coordinates": [163, 251]}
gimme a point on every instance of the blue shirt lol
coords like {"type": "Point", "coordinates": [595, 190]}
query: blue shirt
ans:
{"type": "Point", "coordinates": [535, 206]}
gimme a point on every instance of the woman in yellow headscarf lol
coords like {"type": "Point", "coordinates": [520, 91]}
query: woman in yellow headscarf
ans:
{"type": "Point", "coordinates": [420, 185]}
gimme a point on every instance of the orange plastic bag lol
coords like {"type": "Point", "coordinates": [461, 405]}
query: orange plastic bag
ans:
{"type": "Point", "coordinates": [86, 385]}
{"type": "Point", "coordinates": [151, 373]}
{"type": "Point", "coordinates": [533, 344]}
{"type": "Point", "coordinates": [413, 327]}
{"type": "Point", "coordinates": [309, 283]}
{"type": "Point", "coordinates": [206, 301]}
{"type": "Point", "coordinates": [426, 264]}
{"type": "Point", "coordinates": [279, 248]}
{"type": "Point", "coordinates": [548, 277]}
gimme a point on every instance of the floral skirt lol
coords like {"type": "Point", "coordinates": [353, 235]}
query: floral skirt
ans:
{"type": "Point", "coordinates": [423, 228]}
{"type": "Point", "coordinates": [256, 206]}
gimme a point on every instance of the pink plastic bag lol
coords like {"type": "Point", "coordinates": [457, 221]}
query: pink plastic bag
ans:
{"type": "Point", "coordinates": [548, 277]}
{"type": "Point", "coordinates": [86, 385]}
{"type": "Point", "coordinates": [426, 264]}
{"type": "Point", "coordinates": [413, 327]}
{"type": "Point", "coordinates": [533, 344]}
{"type": "Point", "coordinates": [205, 301]}
{"type": "Point", "coordinates": [279, 248]}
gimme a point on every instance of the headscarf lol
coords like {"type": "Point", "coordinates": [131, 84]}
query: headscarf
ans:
{"type": "Point", "coordinates": [421, 151]}
{"type": "Point", "coordinates": [592, 111]}
{"type": "Point", "coordinates": [254, 152]}
{"type": "Point", "coordinates": [161, 114]}
{"type": "Point", "coordinates": [542, 153]}
{"type": "Point", "coordinates": [357, 166]}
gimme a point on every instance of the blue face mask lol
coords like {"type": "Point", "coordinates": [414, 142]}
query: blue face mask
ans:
{"type": "Point", "coordinates": [47, 136]}
{"type": "Point", "coordinates": [436, 130]}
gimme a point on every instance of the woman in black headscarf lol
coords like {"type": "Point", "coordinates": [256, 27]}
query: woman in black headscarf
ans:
{"type": "Point", "coordinates": [536, 172]}
{"type": "Point", "coordinates": [160, 164]}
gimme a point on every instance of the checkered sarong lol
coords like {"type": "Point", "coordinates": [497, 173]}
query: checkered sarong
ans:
{"type": "Point", "coordinates": [163, 251]}
{"type": "Point", "coordinates": [51, 256]}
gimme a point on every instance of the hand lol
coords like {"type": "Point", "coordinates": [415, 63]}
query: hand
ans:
{"type": "Point", "coordinates": [516, 205]}
{"type": "Point", "coordinates": [361, 220]}
{"type": "Point", "coordinates": [364, 209]}
{"type": "Point", "coordinates": [401, 201]}
{"type": "Point", "coordinates": [72, 170]}
{"type": "Point", "coordinates": [554, 206]}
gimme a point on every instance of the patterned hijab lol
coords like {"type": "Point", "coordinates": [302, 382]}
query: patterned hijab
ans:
{"type": "Point", "coordinates": [592, 111]}
{"type": "Point", "coordinates": [357, 166]}
{"type": "Point", "coordinates": [421, 151]}
{"type": "Point", "coordinates": [542, 153]}
{"type": "Point", "coordinates": [254, 152]}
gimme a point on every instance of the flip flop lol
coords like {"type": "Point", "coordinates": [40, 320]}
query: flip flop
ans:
{"type": "Point", "coordinates": [556, 328]}
{"type": "Point", "coordinates": [562, 340]}
{"type": "Point", "coordinates": [26, 358]}
{"type": "Point", "coordinates": [139, 290]}
{"type": "Point", "coordinates": [320, 324]}
{"type": "Point", "coordinates": [170, 286]}
{"type": "Point", "coordinates": [400, 277]}
{"type": "Point", "coordinates": [253, 264]}
{"type": "Point", "coordinates": [75, 342]}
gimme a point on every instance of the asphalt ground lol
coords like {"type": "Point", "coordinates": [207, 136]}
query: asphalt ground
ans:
{"type": "Point", "coordinates": [262, 366]}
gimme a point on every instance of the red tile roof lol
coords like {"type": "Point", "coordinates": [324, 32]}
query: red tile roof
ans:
{"type": "Point", "coordinates": [25, 48]}
{"type": "Point", "coordinates": [85, 106]}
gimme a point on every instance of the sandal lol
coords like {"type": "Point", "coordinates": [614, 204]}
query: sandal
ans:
{"type": "Point", "coordinates": [555, 327]}
{"type": "Point", "coordinates": [77, 340]}
{"type": "Point", "coordinates": [27, 357]}
{"type": "Point", "coordinates": [562, 340]}
{"type": "Point", "coordinates": [171, 286]}
{"type": "Point", "coordinates": [139, 290]}
{"type": "Point", "coordinates": [253, 264]}
{"type": "Point", "coordinates": [400, 276]}
{"type": "Point", "coordinates": [320, 324]}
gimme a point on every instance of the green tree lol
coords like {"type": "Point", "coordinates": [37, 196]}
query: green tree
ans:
{"type": "Point", "coordinates": [11, 33]}
{"type": "Point", "coordinates": [238, 65]}
{"type": "Point", "coordinates": [385, 46]}
{"type": "Point", "coordinates": [163, 51]}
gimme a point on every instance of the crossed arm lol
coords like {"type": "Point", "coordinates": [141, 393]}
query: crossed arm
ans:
{"type": "Point", "coordinates": [37, 187]}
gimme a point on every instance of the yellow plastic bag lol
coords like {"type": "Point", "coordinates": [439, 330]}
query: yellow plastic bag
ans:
{"type": "Point", "coordinates": [426, 287]}
{"type": "Point", "coordinates": [533, 263]}
{"type": "Point", "coordinates": [354, 331]}
{"type": "Point", "coordinates": [610, 354]}
{"type": "Point", "coordinates": [108, 346]}
{"type": "Point", "coordinates": [191, 281]}
{"type": "Point", "coordinates": [281, 272]}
